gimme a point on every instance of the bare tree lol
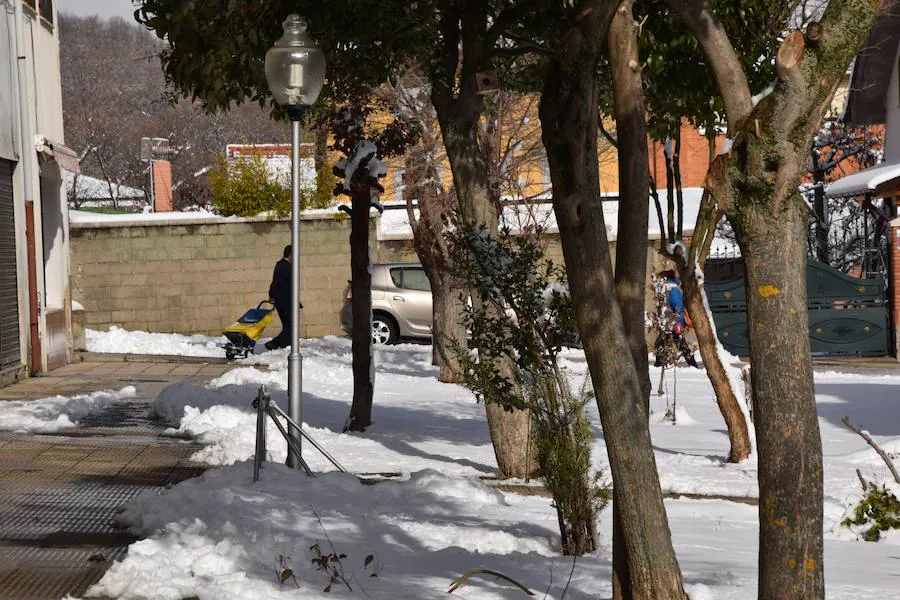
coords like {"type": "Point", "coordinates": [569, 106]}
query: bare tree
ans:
{"type": "Point", "coordinates": [114, 93]}
{"type": "Point", "coordinates": [431, 207]}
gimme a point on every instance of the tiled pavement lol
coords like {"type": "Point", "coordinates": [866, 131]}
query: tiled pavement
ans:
{"type": "Point", "coordinates": [95, 374]}
{"type": "Point", "coordinates": [59, 493]}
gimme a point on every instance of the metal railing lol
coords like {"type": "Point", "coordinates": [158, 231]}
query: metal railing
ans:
{"type": "Point", "coordinates": [264, 406]}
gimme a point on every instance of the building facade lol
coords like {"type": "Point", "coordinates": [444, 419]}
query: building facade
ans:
{"type": "Point", "coordinates": [35, 301]}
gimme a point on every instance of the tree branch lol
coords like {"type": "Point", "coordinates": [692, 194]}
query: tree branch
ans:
{"type": "Point", "coordinates": [727, 69]}
{"type": "Point", "coordinates": [875, 446]}
{"type": "Point", "coordinates": [523, 47]}
{"type": "Point", "coordinates": [508, 17]}
{"type": "Point", "coordinates": [609, 137]}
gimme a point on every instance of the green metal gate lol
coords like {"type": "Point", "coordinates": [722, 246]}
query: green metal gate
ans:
{"type": "Point", "coordinates": [847, 316]}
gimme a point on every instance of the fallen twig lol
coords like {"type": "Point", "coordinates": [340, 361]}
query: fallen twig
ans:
{"type": "Point", "coordinates": [862, 480]}
{"type": "Point", "coordinates": [875, 446]}
{"type": "Point", "coordinates": [465, 577]}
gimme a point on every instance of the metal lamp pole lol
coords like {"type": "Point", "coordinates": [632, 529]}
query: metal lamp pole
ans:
{"type": "Point", "coordinates": [295, 72]}
{"type": "Point", "coordinates": [295, 361]}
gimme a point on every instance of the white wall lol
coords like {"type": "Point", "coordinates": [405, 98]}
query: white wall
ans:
{"type": "Point", "coordinates": [45, 100]}
{"type": "Point", "coordinates": [892, 120]}
{"type": "Point", "coordinates": [7, 86]}
{"type": "Point", "coordinates": [45, 91]}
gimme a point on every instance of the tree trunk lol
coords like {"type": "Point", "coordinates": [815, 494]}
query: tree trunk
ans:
{"type": "Point", "coordinates": [435, 207]}
{"type": "Point", "coordinates": [458, 111]}
{"type": "Point", "coordinates": [448, 334]}
{"type": "Point", "coordinates": [361, 293]}
{"type": "Point", "coordinates": [568, 114]}
{"type": "Point", "coordinates": [631, 257]}
{"type": "Point", "coordinates": [784, 402]}
{"type": "Point", "coordinates": [714, 201]}
{"type": "Point", "coordinates": [726, 398]}
{"type": "Point", "coordinates": [634, 180]}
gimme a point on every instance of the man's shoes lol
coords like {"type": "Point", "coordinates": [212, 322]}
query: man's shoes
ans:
{"type": "Point", "coordinates": [269, 345]}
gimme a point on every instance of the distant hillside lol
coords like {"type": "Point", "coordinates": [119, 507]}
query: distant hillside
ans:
{"type": "Point", "coordinates": [114, 93]}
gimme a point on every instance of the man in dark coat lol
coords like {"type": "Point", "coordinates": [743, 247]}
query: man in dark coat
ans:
{"type": "Point", "coordinates": [280, 296]}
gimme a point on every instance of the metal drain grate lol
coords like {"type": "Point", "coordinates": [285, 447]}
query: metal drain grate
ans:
{"type": "Point", "coordinates": [61, 496]}
{"type": "Point", "coordinates": [41, 573]}
{"type": "Point", "coordinates": [66, 512]}
{"type": "Point", "coordinates": [136, 416]}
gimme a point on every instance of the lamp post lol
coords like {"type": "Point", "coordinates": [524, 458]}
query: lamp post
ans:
{"type": "Point", "coordinates": [295, 72]}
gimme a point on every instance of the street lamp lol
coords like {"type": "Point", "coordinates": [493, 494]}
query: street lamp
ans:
{"type": "Point", "coordinates": [295, 72]}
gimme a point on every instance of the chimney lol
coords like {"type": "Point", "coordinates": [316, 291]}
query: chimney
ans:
{"type": "Point", "coordinates": [162, 185]}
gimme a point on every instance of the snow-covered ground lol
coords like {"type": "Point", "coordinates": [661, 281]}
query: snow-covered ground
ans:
{"type": "Point", "coordinates": [221, 536]}
{"type": "Point", "coordinates": [49, 415]}
{"type": "Point", "coordinates": [118, 340]}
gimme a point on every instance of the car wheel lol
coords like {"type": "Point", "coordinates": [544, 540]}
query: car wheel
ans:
{"type": "Point", "coordinates": [384, 330]}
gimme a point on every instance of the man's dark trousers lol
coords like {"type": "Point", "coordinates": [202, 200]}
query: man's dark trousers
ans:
{"type": "Point", "coordinates": [283, 339]}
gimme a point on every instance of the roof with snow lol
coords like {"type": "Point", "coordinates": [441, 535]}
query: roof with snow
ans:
{"type": "Point", "coordinates": [865, 181]}
{"type": "Point", "coordinates": [394, 223]}
{"type": "Point", "coordinates": [92, 188]}
{"type": "Point", "coordinates": [79, 219]}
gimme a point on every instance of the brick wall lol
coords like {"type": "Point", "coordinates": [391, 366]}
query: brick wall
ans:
{"type": "Point", "coordinates": [694, 159]}
{"type": "Point", "coordinates": [199, 276]}
{"type": "Point", "coordinates": [162, 185]}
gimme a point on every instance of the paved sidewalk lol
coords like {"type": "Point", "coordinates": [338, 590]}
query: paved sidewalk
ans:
{"type": "Point", "coordinates": [95, 374]}
{"type": "Point", "coordinates": [60, 493]}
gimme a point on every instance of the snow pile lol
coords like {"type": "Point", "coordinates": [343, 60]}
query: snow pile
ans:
{"type": "Point", "coordinates": [665, 417]}
{"type": "Point", "coordinates": [121, 341]}
{"type": "Point", "coordinates": [420, 423]}
{"type": "Point", "coordinates": [50, 415]}
{"type": "Point", "coordinates": [364, 155]}
{"type": "Point", "coordinates": [220, 536]}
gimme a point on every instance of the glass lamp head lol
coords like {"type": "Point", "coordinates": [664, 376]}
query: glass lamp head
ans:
{"type": "Point", "coordinates": [295, 67]}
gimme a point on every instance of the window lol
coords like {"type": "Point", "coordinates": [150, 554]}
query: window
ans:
{"type": "Point", "coordinates": [411, 279]}
{"type": "Point", "coordinates": [32, 4]}
{"type": "Point", "coordinates": [45, 8]}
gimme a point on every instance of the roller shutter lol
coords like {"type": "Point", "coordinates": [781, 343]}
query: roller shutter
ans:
{"type": "Point", "coordinates": [10, 355]}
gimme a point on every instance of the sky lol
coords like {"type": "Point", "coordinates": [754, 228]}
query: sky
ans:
{"type": "Point", "coordinates": [103, 8]}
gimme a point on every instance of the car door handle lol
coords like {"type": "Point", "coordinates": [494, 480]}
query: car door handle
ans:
{"type": "Point", "coordinates": [399, 298]}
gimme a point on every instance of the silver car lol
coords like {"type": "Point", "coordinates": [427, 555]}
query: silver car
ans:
{"type": "Point", "coordinates": [401, 303]}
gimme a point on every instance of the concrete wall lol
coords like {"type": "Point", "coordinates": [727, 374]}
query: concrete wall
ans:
{"type": "Point", "coordinates": [199, 276]}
